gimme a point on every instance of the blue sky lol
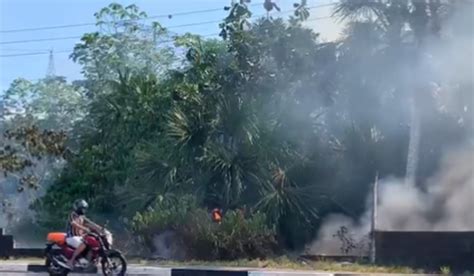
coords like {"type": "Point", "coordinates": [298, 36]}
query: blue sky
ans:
{"type": "Point", "coordinates": [18, 14]}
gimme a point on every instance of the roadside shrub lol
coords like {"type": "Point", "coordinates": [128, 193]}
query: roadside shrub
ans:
{"type": "Point", "coordinates": [237, 236]}
{"type": "Point", "coordinates": [168, 213]}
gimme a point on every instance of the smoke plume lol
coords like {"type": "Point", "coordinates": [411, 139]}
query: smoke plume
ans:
{"type": "Point", "coordinates": [446, 205]}
{"type": "Point", "coordinates": [445, 201]}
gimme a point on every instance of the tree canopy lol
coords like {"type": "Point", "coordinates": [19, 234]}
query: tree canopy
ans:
{"type": "Point", "coordinates": [267, 119]}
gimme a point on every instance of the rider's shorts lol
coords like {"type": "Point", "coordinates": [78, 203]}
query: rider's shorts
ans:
{"type": "Point", "coordinates": [74, 241]}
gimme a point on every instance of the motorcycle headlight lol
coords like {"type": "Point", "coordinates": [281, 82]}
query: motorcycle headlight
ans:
{"type": "Point", "coordinates": [109, 238]}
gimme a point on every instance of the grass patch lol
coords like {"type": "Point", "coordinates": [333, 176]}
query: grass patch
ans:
{"type": "Point", "coordinates": [287, 263]}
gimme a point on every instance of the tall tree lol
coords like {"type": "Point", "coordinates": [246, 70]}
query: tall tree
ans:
{"type": "Point", "coordinates": [123, 45]}
{"type": "Point", "coordinates": [36, 120]}
{"type": "Point", "coordinates": [401, 30]}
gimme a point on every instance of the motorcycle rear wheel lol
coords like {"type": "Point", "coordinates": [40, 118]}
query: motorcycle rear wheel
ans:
{"type": "Point", "coordinates": [115, 259]}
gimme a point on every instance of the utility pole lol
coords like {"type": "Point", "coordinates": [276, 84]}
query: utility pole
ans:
{"type": "Point", "coordinates": [414, 141]}
{"type": "Point", "coordinates": [373, 225]}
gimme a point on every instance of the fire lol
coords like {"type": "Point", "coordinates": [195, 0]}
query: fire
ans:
{"type": "Point", "coordinates": [216, 215]}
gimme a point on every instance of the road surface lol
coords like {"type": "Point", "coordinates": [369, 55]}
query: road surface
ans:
{"type": "Point", "coordinates": [21, 269]}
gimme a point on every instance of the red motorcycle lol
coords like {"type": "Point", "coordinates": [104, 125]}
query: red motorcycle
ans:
{"type": "Point", "coordinates": [98, 249]}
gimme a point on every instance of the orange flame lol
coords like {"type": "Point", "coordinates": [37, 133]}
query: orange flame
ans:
{"type": "Point", "coordinates": [216, 215]}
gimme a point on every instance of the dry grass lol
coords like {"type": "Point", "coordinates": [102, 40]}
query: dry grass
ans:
{"type": "Point", "coordinates": [286, 263]}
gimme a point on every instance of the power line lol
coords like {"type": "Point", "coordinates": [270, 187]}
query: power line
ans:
{"type": "Point", "coordinates": [165, 41]}
{"type": "Point", "coordinates": [47, 28]}
{"type": "Point", "coordinates": [151, 17]}
{"type": "Point", "coordinates": [220, 20]}
{"type": "Point", "coordinates": [22, 50]}
{"type": "Point", "coordinates": [170, 27]}
{"type": "Point", "coordinates": [39, 40]}
{"type": "Point", "coordinates": [70, 51]}
{"type": "Point", "coordinates": [36, 53]}
{"type": "Point", "coordinates": [91, 24]}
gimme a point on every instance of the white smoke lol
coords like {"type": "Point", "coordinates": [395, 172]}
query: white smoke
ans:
{"type": "Point", "coordinates": [329, 243]}
{"type": "Point", "coordinates": [447, 201]}
{"type": "Point", "coordinates": [446, 205]}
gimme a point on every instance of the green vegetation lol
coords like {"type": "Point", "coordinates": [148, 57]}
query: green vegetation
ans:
{"type": "Point", "coordinates": [237, 236]}
{"type": "Point", "coordinates": [445, 270]}
{"type": "Point", "coordinates": [269, 123]}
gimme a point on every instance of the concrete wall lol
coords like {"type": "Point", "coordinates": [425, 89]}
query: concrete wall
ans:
{"type": "Point", "coordinates": [425, 248]}
{"type": "Point", "coordinates": [6, 244]}
{"type": "Point", "coordinates": [7, 248]}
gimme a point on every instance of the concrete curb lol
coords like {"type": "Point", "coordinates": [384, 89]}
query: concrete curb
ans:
{"type": "Point", "coordinates": [289, 273]}
{"type": "Point", "coordinates": [13, 268]}
{"type": "Point", "coordinates": [380, 274]}
{"type": "Point", "coordinates": [132, 270]}
{"type": "Point", "coordinates": [322, 273]}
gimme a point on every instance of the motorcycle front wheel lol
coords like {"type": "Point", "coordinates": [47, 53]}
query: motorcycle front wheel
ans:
{"type": "Point", "coordinates": [114, 264]}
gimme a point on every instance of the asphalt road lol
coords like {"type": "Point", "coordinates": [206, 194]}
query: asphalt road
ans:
{"type": "Point", "coordinates": [72, 274]}
{"type": "Point", "coordinates": [20, 269]}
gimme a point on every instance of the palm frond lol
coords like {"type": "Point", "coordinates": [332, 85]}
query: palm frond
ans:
{"type": "Point", "coordinates": [237, 119]}
{"type": "Point", "coordinates": [281, 197]}
{"type": "Point", "coordinates": [188, 129]}
{"type": "Point", "coordinates": [226, 170]}
{"type": "Point", "coordinates": [179, 127]}
{"type": "Point", "coordinates": [359, 9]}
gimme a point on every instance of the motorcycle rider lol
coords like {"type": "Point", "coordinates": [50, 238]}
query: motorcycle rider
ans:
{"type": "Point", "coordinates": [77, 227]}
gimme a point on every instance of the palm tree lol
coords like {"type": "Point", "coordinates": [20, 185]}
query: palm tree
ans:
{"type": "Point", "coordinates": [393, 17]}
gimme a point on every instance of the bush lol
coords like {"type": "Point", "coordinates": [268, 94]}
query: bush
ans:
{"type": "Point", "coordinates": [237, 236]}
{"type": "Point", "coordinates": [168, 213]}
